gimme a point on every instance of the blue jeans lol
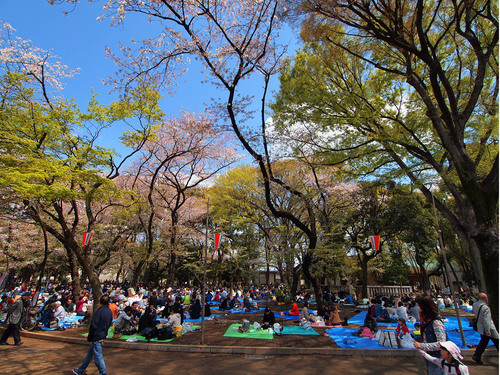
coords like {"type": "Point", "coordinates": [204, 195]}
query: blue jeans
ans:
{"type": "Point", "coordinates": [95, 351]}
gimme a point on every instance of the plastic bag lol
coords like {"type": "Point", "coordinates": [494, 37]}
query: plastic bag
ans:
{"type": "Point", "coordinates": [187, 327]}
{"type": "Point", "coordinates": [407, 341]}
{"type": "Point", "coordinates": [305, 324]}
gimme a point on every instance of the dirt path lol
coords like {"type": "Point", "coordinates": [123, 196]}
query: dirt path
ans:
{"type": "Point", "coordinates": [50, 357]}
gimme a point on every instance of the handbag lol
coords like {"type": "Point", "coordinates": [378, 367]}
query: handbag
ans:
{"type": "Point", "coordinates": [474, 320]}
{"type": "Point", "coordinates": [389, 339]}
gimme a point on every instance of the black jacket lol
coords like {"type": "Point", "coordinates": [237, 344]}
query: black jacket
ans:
{"type": "Point", "coordinates": [101, 321]}
{"type": "Point", "coordinates": [269, 318]}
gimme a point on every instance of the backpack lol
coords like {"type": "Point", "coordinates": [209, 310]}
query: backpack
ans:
{"type": "Point", "coordinates": [152, 334]}
{"type": "Point", "coordinates": [165, 333]}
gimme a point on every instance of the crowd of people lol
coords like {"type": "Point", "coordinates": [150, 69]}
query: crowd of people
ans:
{"type": "Point", "coordinates": [140, 312]}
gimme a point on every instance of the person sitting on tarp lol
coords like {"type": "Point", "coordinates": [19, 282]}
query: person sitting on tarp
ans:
{"type": "Point", "coordinates": [124, 323]}
{"type": "Point", "coordinates": [195, 309]}
{"type": "Point", "coordinates": [334, 319]}
{"type": "Point", "coordinates": [136, 313]}
{"type": "Point", "coordinates": [348, 300]}
{"type": "Point", "coordinates": [304, 314]}
{"type": "Point", "coordinates": [59, 312]}
{"type": "Point", "coordinates": [269, 319]}
{"type": "Point", "coordinates": [369, 323]}
{"type": "Point", "coordinates": [401, 312]}
{"type": "Point", "coordinates": [147, 320]}
{"type": "Point", "coordinates": [295, 310]}
{"type": "Point", "coordinates": [165, 313]}
{"type": "Point", "coordinates": [209, 296]}
{"type": "Point", "coordinates": [416, 334]}
{"type": "Point", "coordinates": [48, 320]}
{"type": "Point", "coordinates": [247, 305]}
{"type": "Point", "coordinates": [233, 303]}
{"type": "Point", "coordinates": [326, 313]}
{"type": "Point", "coordinates": [174, 320]}
{"type": "Point", "coordinates": [208, 312]}
{"type": "Point", "coordinates": [178, 309]}
{"type": "Point", "coordinates": [224, 304]}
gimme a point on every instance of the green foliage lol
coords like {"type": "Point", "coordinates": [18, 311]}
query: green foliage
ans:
{"type": "Point", "coordinates": [395, 271]}
{"type": "Point", "coordinates": [46, 152]}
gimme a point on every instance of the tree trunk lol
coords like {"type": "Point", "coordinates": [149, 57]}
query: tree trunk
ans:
{"type": "Point", "coordinates": [295, 282]}
{"type": "Point", "coordinates": [311, 277]}
{"type": "Point", "coordinates": [44, 261]}
{"type": "Point", "coordinates": [75, 275]}
{"type": "Point", "coordinates": [487, 243]}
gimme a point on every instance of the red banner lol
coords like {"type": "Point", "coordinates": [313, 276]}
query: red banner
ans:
{"type": "Point", "coordinates": [217, 240]}
{"type": "Point", "coordinates": [86, 239]}
{"type": "Point", "coordinates": [375, 241]}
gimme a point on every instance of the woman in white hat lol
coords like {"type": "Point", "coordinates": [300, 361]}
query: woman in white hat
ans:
{"type": "Point", "coordinates": [451, 361]}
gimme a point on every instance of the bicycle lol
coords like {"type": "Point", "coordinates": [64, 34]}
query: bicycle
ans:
{"type": "Point", "coordinates": [31, 318]}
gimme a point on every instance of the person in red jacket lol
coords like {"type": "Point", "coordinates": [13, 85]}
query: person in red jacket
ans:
{"type": "Point", "coordinates": [295, 310]}
{"type": "Point", "coordinates": [402, 328]}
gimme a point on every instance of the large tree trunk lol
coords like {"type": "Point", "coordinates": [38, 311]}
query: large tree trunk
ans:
{"type": "Point", "coordinates": [307, 263]}
{"type": "Point", "coordinates": [45, 257]}
{"type": "Point", "coordinates": [75, 274]}
{"type": "Point", "coordinates": [487, 242]}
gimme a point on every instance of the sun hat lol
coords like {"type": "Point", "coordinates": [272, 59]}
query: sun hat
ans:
{"type": "Point", "coordinates": [453, 349]}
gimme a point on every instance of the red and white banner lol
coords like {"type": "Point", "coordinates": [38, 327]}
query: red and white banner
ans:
{"type": "Point", "coordinates": [86, 239]}
{"type": "Point", "coordinates": [375, 241]}
{"type": "Point", "coordinates": [217, 240]}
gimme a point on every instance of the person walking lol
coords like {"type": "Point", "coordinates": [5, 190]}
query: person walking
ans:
{"type": "Point", "coordinates": [14, 317]}
{"type": "Point", "coordinates": [433, 332]}
{"type": "Point", "coordinates": [98, 330]}
{"type": "Point", "coordinates": [485, 327]}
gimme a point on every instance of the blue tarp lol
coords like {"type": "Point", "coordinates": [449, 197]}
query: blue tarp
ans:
{"type": "Point", "coordinates": [450, 325]}
{"type": "Point", "coordinates": [291, 317]}
{"type": "Point", "coordinates": [344, 339]}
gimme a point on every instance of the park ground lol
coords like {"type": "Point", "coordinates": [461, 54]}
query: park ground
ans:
{"type": "Point", "coordinates": [51, 356]}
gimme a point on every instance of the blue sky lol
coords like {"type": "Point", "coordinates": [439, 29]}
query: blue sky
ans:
{"type": "Point", "coordinates": [79, 40]}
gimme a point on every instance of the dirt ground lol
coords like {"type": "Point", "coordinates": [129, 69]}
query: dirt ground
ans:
{"type": "Point", "coordinates": [52, 357]}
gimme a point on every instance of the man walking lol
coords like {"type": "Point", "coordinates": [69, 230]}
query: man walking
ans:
{"type": "Point", "coordinates": [485, 327]}
{"type": "Point", "coordinates": [98, 330]}
{"type": "Point", "coordinates": [14, 317]}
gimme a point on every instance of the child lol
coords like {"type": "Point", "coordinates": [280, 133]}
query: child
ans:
{"type": "Point", "coordinates": [416, 333]}
{"type": "Point", "coordinates": [402, 328]}
{"type": "Point", "coordinates": [450, 363]}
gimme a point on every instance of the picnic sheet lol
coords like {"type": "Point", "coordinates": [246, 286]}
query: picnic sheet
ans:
{"type": "Point", "coordinates": [245, 312]}
{"type": "Point", "coordinates": [232, 331]}
{"type": "Point", "coordinates": [450, 324]}
{"type": "Point", "coordinates": [344, 339]}
{"type": "Point", "coordinates": [318, 325]}
{"type": "Point", "coordinates": [289, 317]}
{"type": "Point", "coordinates": [292, 317]}
{"type": "Point", "coordinates": [296, 330]}
{"type": "Point", "coordinates": [66, 323]}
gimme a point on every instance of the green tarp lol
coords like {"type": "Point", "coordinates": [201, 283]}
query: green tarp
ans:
{"type": "Point", "coordinates": [232, 331]}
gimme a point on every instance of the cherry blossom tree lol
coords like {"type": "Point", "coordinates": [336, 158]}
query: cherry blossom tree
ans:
{"type": "Point", "coordinates": [51, 162]}
{"type": "Point", "coordinates": [185, 154]}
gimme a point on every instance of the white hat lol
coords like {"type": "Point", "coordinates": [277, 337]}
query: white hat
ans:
{"type": "Point", "coordinates": [453, 349]}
